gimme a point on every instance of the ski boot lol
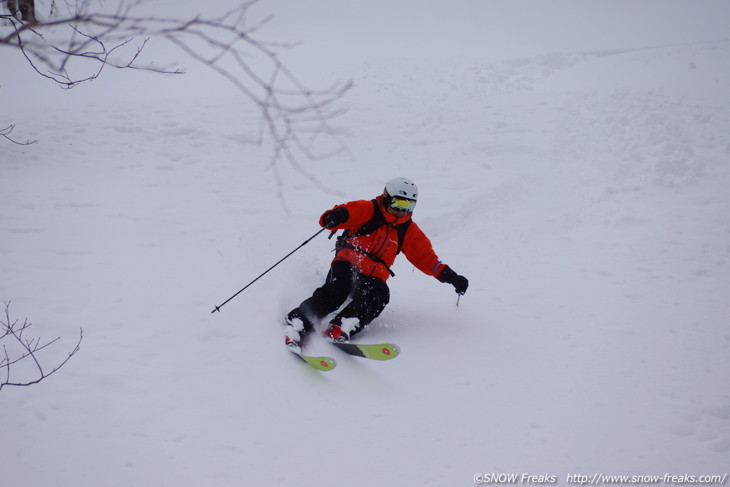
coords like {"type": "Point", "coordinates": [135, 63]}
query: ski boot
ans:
{"type": "Point", "coordinates": [341, 329]}
{"type": "Point", "coordinates": [335, 334]}
{"type": "Point", "coordinates": [296, 325]}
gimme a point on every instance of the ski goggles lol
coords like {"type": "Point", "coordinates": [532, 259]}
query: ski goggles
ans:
{"type": "Point", "coordinates": [402, 204]}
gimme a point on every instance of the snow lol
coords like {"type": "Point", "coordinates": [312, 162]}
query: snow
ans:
{"type": "Point", "coordinates": [572, 161]}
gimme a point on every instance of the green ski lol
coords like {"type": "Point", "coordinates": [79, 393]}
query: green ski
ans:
{"type": "Point", "coordinates": [324, 364]}
{"type": "Point", "coordinates": [380, 351]}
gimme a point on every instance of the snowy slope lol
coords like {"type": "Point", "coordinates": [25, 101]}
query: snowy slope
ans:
{"type": "Point", "coordinates": [577, 176]}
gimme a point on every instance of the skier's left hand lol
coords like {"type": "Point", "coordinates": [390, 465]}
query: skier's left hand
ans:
{"type": "Point", "coordinates": [459, 282]}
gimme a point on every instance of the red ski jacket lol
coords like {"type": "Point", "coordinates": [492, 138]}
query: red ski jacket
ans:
{"type": "Point", "coordinates": [373, 254]}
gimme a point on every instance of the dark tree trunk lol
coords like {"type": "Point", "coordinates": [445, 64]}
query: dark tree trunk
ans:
{"type": "Point", "coordinates": [27, 9]}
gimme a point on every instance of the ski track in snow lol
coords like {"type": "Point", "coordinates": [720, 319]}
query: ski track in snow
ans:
{"type": "Point", "coordinates": [584, 194]}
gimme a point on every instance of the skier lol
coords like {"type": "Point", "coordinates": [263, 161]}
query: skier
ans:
{"type": "Point", "coordinates": [374, 233]}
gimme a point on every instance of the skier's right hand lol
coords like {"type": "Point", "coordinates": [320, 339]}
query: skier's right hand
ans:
{"type": "Point", "coordinates": [335, 217]}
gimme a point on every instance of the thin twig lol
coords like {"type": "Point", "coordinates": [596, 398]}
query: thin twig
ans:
{"type": "Point", "coordinates": [12, 335]}
{"type": "Point", "coordinates": [295, 117]}
{"type": "Point", "coordinates": [6, 134]}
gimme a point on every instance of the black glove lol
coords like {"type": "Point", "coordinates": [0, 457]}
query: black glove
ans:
{"type": "Point", "coordinates": [448, 276]}
{"type": "Point", "coordinates": [335, 217]}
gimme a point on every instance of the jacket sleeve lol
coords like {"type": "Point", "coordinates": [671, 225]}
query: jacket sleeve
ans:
{"type": "Point", "coordinates": [418, 250]}
{"type": "Point", "coordinates": [359, 212]}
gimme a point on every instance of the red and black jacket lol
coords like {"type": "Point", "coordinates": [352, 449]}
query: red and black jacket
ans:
{"type": "Point", "coordinates": [373, 237]}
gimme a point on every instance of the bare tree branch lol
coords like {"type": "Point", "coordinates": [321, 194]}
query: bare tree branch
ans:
{"type": "Point", "coordinates": [26, 9]}
{"type": "Point", "coordinates": [16, 348]}
{"type": "Point", "coordinates": [6, 134]}
{"type": "Point", "coordinates": [73, 49]}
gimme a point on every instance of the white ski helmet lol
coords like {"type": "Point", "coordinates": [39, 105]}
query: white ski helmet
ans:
{"type": "Point", "coordinates": [401, 194]}
{"type": "Point", "coordinates": [403, 188]}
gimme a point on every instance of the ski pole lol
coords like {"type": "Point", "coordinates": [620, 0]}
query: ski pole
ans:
{"type": "Point", "coordinates": [218, 308]}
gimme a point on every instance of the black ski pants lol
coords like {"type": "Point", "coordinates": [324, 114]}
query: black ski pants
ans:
{"type": "Point", "coordinates": [369, 296]}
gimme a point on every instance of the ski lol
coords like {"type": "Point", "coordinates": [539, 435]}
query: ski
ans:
{"type": "Point", "coordinates": [379, 351]}
{"type": "Point", "coordinates": [324, 364]}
